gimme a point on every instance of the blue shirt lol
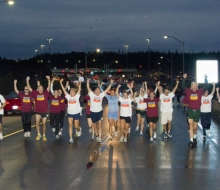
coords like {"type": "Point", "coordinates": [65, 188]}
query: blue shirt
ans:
{"type": "Point", "coordinates": [112, 103]}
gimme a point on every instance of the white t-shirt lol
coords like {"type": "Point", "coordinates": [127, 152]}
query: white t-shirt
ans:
{"type": "Point", "coordinates": [166, 102]}
{"type": "Point", "coordinates": [206, 105]}
{"type": "Point", "coordinates": [141, 105]}
{"type": "Point", "coordinates": [73, 104]}
{"type": "Point", "coordinates": [125, 108]}
{"type": "Point", "coordinates": [2, 101]}
{"type": "Point", "coordinates": [96, 101]}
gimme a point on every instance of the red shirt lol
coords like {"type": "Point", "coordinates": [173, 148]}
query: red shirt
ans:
{"type": "Point", "coordinates": [87, 98]}
{"type": "Point", "coordinates": [54, 104]}
{"type": "Point", "coordinates": [194, 98]}
{"type": "Point", "coordinates": [152, 107]}
{"type": "Point", "coordinates": [41, 101]}
{"type": "Point", "coordinates": [26, 102]}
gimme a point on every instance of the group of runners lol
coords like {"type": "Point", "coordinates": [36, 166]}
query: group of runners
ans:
{"type": "Point", "coordinates": [120, 108]}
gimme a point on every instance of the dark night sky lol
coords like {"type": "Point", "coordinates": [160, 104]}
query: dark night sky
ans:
{"type": "Point", "coordinates": [86, 25]}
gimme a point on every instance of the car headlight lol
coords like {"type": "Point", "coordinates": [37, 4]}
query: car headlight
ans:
{"type": "Point", "coordinates": [14, 107]}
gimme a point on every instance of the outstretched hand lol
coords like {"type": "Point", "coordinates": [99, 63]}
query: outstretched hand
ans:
{"type": "Point", "coordinates": [184, 76]}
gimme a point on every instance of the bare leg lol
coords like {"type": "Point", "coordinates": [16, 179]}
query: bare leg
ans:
{"type": "Point", "coordinates": [70, 121]}
{"type": "Point", "coordinates": [191, 132]}
{"type": "Point", "coordinates": [38, 118]}
{"type": "Point", "coordinates": [151, 129]}
{"type": "Point", "coordinates": [44, 123]}
{"type": "Point", "coordinates": [142, 124]}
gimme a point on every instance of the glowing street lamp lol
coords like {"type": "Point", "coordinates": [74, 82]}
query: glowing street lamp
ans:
{"type": "Point", "coordinates": [86, 56]}
{"type": "Point", "coordinates": [126, 47]}
{"type": "Point", "coordinates": [148, 62]}
{"type": "Point", "coordinates": [9, 2]}
{"type": "Point", "coordinates": [182, 43]}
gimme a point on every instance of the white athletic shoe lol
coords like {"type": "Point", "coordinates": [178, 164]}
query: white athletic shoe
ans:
{"type": "Point", "coordinates": [137, 129]}
{"type": "Point", "coordinates": [101, 119]}
{"type": "Point", "coordinates": [1, 136]}
{"type": "Point", "coordinates": [79, 133]}
{"type": "Point", "coordinates": [141, 133]}
{"type": "Point", "coordinates": [97, 139]}
{"type": "Point", "coordinates": [90, 130]}
{"type": "Point", "coordinates": [25, 134]}
{"type": "Point", "coordinates": [53, 129]}
{"type": "Point", "coordinates": [57, 137]}
{"type": "Point", "coordinates": [60, 133]}
{"type": "Point", "coordinates": [125, 140]}
{"type": "Point", "coordinates": [100, 140]}
{"type": "Point", "coordinates": [208, 132]}
{"type": "Point", "coordinates": [71, 141]}
{"type": "Point", "coordinates": [93, 138]}
{"type": "Point", "coordinates": [155, 134]}
{"type": "Point", "coordinates": [28, 134]}
{"type": "Point", "coordinates": [115, 133]}
{"type": "Point", "coordinates": [129, 130]}
{"type": "Point", "coordinates": [151, 140]}
{"type": "Point", "coordinates": [122, 139]}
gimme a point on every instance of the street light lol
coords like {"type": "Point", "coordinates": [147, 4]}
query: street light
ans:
{"type": "Point", "coordinates": [9, 2]}
{"type": "Point", "coordinates": [148, 62]}
{"type": "Point", "coordinates": [126, 47]}
{"type": "Point", "coordinates": [182, 43]}
{"type": "Point", "coordinates": [171, 68]}
{"type": "Point", "coordinates": [166, 70]}
{"type": "Point", "coordinates": [42, 48]}
{"type": "Point", "coordinates": [86, 56]}
{"type": "Point", "coordinates": [107, 66]}
{"type": "Point", "coordinates": [49, 39]}
{"type": "Point", "coordinates": [36, 51]}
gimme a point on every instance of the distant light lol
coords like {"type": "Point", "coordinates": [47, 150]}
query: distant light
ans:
{"type": "Point", "coordinates": [116, 61]}
{"type": "Point", "coordinates": [98, 50]}
{"type": "Point", "coordinates": [158, 63]}
{"type": "Point", "coordinates": [11, 2]}
{"type": "Point", "coordinates": [165, 36]}
{"type": "Point", "coordinates": [161, 57]}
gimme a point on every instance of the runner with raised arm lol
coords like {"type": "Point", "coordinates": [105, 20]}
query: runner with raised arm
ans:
{"type": "Point", "coordinates": [194, 96]}
{"type": "Point", "coordinates": [41, 106]}
{"type": "Point", "coordinates": [96, 108]}
{"type": "Point", "coordinates": [206, 110]}
{"type": "Point", "coordinates": [26, 108]}
{"type": "Point", "coordinates": [166, 108]}
{"type": "Point", "coordinates": [73, 110]}
{"type": "Point", "coordinates": [125, 111]}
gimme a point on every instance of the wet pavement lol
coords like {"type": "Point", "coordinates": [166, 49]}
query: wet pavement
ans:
{"type": "Point", "coordinates": [138, 164]}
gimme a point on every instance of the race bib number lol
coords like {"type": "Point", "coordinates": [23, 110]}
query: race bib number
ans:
{"type": "Point", "coordinates": [166, 100]}
{"type": "Point", "coordinates": [206, 101]}
{"type": "Point", "coordinates": [40, 97]}
{"type": "Point", "coordinates": [124, 105]}
{"type": "Point", "coordinates": [194, 97]}
{"type": "Point", "coordinates": [73, 101]}
{"type": "Point", "coordinates": [97, 99]}
{"type": "Point", "coordinates": [26, 100]}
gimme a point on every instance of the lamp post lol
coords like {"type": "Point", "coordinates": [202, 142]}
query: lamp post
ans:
{"type": "Point", "coordinates": [42, 48]}
{"type": "Point", "coordinates": [126, 47]}
{"type": "Point", "coordinates": [9, 2]}
{"type": "Point", "coordinates": [183, 49]}
{"type": "Point", "coordinates": [49, 40]}
{"type": "Point", "coordinates": [171, 68]}
{"type": "Point", "coordinates": [86, 56]}
{"type": "Point", "coordinates": [148, 62]}
{"type": "Point", "coordinates": [107, 67]}
{"type": "Point", "coordinates": [166, 70]}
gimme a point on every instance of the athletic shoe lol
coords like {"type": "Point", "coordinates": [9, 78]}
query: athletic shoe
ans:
{"type": "Point", "coordinates": [44, 138]}
{"type": "Point", "coordinates": [115, 133]}
{"type": "Point", "coordinates": [28, 134]}
{"type": "Point", "coordinates": [100, 140]}
{"type": "Point", "coordinates": [204, 136]}
{"type": "Point", "coordinates": [25, 134]}
{"type": "Point", "coordinates": [155, 134]}
{"type": "Point", "coordinates": [165, 135]}
{"type": "Point", "coordinates": [125, 140]}
{"type": "Point", "coordinates": [97, 139]}
{"type": "Point", "coordinates": [53, 129]}
{"type": "Point", "coordinates": [1, 136]}
{"type": "Point", "coordinates": [101, 118]}
{"type": "Point", "coordinates": [90, 130]}
{"type": "Point", "coordinates": [38, 137]}
{"type": "Point", "coordinates": [191, 144]}
{"type": "Point", "coordinates": [208, 131]}
{"type": "Point", "coordinates": [60, 133]}
{"type": "Point", "coordinates": [137, 129]}
{"type": "Point", "coordinates": [141, 133]}
{"type": "Point", "coordinates": [71, 140]}
{"type": "Point", "coordinates": [61, 129]}
{"type": "Point", "coordinates": [79, 133]}
{"type": "Point", "coordinates": [148, 125]}
{"type": "Point", "coordinates": [122, 139]}
{"type": "Point", "coordinates": [129, 130]}
{"type": "Point", "coordinates": [93, 138]}
{"type": "Point", "coordinates": [169, 135]}
{"type": "Point", "coordinates": [151, 140]}
{"type": "Point", "coordinates": [194, 141]}
{"type": "Point", "coordinates": [110, 138]}
{"type": "Point", "coordinates": [57, 136]}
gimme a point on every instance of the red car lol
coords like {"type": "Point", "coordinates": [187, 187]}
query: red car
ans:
{"type": "Point", "coordinates": [13, 103]}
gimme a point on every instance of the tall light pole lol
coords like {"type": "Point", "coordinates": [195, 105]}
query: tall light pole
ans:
{"type": "Point", "coordinates": [86, 57]}
{"type": "Point", "coordinates": [183, 49]}
{"type": "Point", "coordinates": [171, 68]}
{"type": "Point", "coordinates": [42, 48]}
{"type": "Point", "coordinates": [9, 2]}
{"type": "Point", "coordinates": [148, 62]}
{"type": "Point", "coordinates": [166, 70]}
{"type": "Point", "coordinates": [126, 47]}
{"type": "Point", "coordinates": [49, 40]}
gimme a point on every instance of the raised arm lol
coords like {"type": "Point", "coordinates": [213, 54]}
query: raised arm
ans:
{"type": "Point", "coordinates": [174, 89]}
{"type": "Point", "coordinates": [88, 86]}
{"type": "Point", "coordinates": [157, 86]}
{"type": "Point", "coordinates": [67, 84]}
{"type": "Point", "coordinates": [131, 91]}
{"type": "Point", "coordinates": [183, 86]}
{"type": "Point", "coordinates": [213, 89]}
{"type": "Point", "coordinates": [64, 90]}
{"type": "Point", "coordinates": [48, 84]}
{"type": "Point", "coordinates": [217, 92]}
{"type": "Point", "coordinates": [145, 86]}
{"type": "Point", "coordinates": [28, 84]}
{"type": "Point", "coordinates": [15, 86]}
{"type": "Point", "coordinates": [51, 86]}
{"type": "Point", "coordinates": [109, 86]}
{"type": "Point", "coordinates": [79, 87]}
{"type": "Point", "coordinates": [117, 89]}
{"type": "Point", "coordinates": [100, 86]}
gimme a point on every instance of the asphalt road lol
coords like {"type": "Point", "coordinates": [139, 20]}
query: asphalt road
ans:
{"type": "Point", "coordinates": [56, 164]}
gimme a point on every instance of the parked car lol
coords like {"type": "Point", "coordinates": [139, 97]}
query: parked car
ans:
{"type": "Point", "coordinates": [13, 103]}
